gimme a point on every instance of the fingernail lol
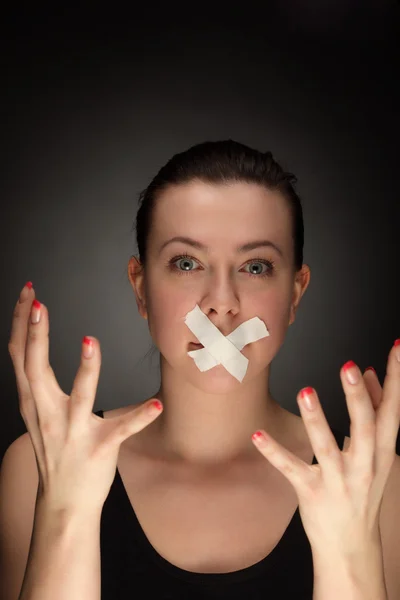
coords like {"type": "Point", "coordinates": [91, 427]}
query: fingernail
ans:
{"type": "Point", "coordinates": [88, 347]}
{"type": "Point", "coordinates": [370, 369]}
{"type": "Point", "coordinates": [156, 404]}
{"type": "Point", "coordinates": [397, 344]}
{"type": "Point", "coordinates": [258, 437]}
{"type": "Point", "coordinates": [27, 285]}
{"type": "Point", "coordinates": [351, 372]}
{"type": "Point", "coordinates": [35, 313]}
{"type": "Point", "coordinates": [306, 394]}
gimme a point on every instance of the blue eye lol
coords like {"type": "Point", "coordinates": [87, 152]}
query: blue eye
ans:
{"type": "Point", "coordinates": [188, 258]}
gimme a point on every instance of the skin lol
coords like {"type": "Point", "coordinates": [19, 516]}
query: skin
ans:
{"type": "Point", "coordinates": [339, 498]}
{"type": "Point", "coordinates": [210, 417]}
{"type": "Point", "coordinates": [359, 475]}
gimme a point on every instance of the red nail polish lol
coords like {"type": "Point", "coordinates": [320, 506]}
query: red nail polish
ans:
{"type": "Point", "coordinates": [370, 369]}
{"type": "Point", "coordinates": [349, 364]}
{"type": "Point", "coordinates": [308, 391]}
{"type": "Point", "coordinates": [88, 347]}
{"type": "Point", "coordinates": [306, 394]}
{"type": "Point", "coordinates": [28, 284]}
{"type": "Point", "coordinates": [157, 404]}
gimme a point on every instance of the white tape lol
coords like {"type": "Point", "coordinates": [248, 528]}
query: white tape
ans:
{"type": "Point", "coordinates": [223, 350]}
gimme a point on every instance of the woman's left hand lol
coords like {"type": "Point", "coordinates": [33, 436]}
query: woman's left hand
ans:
{"type": "Point", "coordinates": [340, 497]}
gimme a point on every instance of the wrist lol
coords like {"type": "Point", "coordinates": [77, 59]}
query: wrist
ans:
{"type": "Point", "coordinates": [356, 577]}
{"type": "Point", "coordinates": [64, 554]}
{"type": "Point", "coordinates": [63, 519]}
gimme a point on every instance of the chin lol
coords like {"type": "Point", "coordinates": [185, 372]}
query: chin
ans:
{"type": "Point", "coordinates": [216, 380]}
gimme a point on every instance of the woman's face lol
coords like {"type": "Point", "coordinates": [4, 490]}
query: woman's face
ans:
{"type": "Point", "coordinates": [229, 286]}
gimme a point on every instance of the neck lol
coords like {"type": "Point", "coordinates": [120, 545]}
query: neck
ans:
{"type": "Point", "coordinates": [202, 428]}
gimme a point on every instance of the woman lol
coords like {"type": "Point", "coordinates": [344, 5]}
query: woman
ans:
{"type": "Point", "coordinates": [185, 503]}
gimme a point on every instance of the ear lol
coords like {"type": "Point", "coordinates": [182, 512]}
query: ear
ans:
{"type": "Point", "coordinates": [301, 283]}
{"type": "Point", "coordinates": [136, 277]}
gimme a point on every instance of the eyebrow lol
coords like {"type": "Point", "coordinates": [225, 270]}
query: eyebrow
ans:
{"type": "Point", "coordinates": [239, 249]}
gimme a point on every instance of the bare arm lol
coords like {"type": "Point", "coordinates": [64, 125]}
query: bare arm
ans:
{"type": "Point", "coordinates": [76, 454]}
{"type": "Point", "coordinates": [354, 578]}
{"type": "Point", "coordinates": [64, 556]}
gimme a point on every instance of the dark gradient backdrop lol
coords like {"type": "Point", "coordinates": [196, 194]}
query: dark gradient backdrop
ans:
{"type": "Point", "coordinates": [93, 107]}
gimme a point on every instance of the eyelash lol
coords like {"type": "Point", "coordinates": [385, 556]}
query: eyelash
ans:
{"type": "Point", "coordinates": [269, 263]}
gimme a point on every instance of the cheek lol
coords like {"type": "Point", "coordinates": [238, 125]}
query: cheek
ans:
{"type": "Point", "coordinates": [273, 308]}
{"type": "Point", "coordinates": [169, 306]}
{"type": "Point", "coordinates": [275, 313]}
{"type": "Point", "coordinates": [166, 324]}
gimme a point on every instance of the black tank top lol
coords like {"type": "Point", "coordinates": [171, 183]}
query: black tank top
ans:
{"type": "Point", "coordinates": [132, 568]}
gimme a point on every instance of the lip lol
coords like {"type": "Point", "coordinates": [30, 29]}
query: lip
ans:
{"type": "Point", "coordinates": [195, 345]}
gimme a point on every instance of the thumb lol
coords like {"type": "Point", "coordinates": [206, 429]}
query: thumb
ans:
{"type": "Point", "coordinates": [135, 420]}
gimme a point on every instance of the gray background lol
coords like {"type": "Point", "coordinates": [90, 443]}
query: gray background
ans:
{"type": "Point", "coordinates": [92, 107]}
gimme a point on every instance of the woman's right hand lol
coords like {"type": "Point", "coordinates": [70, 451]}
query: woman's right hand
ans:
{"type": "Point", "coordinates": [76, 451]}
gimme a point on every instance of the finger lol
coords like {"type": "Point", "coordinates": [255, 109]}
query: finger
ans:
{"type": "Point", "coordinates": [17, 348]}
{"type": "Point", "coordinates": [17, 342]}
{"type": "Point", "coordinates": [320, 435]}
{"type": "Point", "coordinates": [84, 388]}
{"type": "Point", "coordinates": [388, 419]}
{"type": "Point", "coordinates": [362, 419]}
{"type": "Point", "coordinates": [373, 386]}
{"type": "Point", "coordinates": [134, 421]}
{"type": "Point", "coordinates": [374, 389]}
{"type": "Point", "coordinates": [296, 471]}
{"type": "Point", "coordinates": [46, 393]}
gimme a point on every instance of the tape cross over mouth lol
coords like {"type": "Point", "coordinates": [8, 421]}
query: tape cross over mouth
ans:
{"type": "Point", "coordinates": [223, 350]}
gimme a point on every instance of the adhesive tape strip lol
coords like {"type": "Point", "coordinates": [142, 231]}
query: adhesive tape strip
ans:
{"type": "Point", "coordinates": [219, 349]}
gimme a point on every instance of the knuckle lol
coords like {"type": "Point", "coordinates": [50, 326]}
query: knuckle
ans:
{"type": "Point", "coordinates": [79, 396]}
{"type": "Point", "coordinates": [288, 468]}
{"type": "Point", "coordinates": [357, 395]}
{"type": "Point", "coordinates": [367, 478]}
{"type": "Point", "coordinates": [124, 429]}
{"type": "Point", "coordinates": [33, 334]}
{"type": "Point", "coordinates": [17, 312]}
{"type": "Point", "coordinates": [127, 428]}
{"type": "Point", "coordinates": [367, 429]}
{"type": "Point", "coordinates": [33, 374]}
{"type": "Point", "coordinates": [33, 377]}
{"type": "Point", "coordinates": [327, 450]}
{"type": "Point", "coordinates": [313, 489]}
{"type": "Point", "coordinates": [25, 413]}
{"type": "Point", "coordinates": [29, 371]}
{"type": "Point", "coordinates": [13, 348]}
{"type": "Point", "coordinates": [49, 426]}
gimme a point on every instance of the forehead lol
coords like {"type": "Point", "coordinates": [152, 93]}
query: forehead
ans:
{"type": "Point", "coordinates": [202, 209]}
